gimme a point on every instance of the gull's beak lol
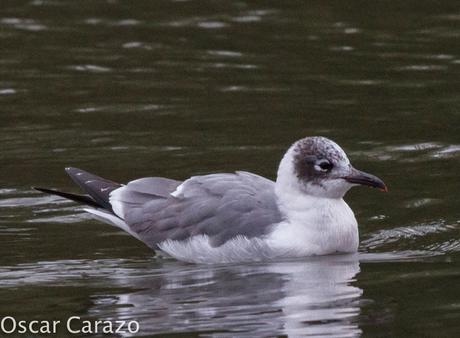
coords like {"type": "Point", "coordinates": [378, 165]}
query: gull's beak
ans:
{"type": "Point", "coordinates": [360, 177]}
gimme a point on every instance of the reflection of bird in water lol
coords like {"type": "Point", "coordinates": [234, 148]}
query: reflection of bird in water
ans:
{"type": "Point", "coordinates": [313, 296]}
{"type": "Point", "coordinates": [319, 299]}
{"type": "Point", "coordinates": [239, 216]}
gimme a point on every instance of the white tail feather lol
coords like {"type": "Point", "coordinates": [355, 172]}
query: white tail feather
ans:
{"type": "Point", "coordinates": [111, 219]}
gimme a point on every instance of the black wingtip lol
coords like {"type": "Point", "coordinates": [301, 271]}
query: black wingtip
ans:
{"type": "Point", "coordinates": [50, 191]}
{"type": "Point", "coordinates": [41, 189]}
{"type": "Point", "coordinates": [73, 197]}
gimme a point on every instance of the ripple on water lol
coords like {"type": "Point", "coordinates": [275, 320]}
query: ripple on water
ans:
{"type": "Point", "coordinates": [23, 24]}
{"type": "Point", "coordinates": [229, 65]}
{"type": "Point", "coordinates": [246, 18]}
{"type": "Point", "coordinates": [38, 208]}
{"type": "Point", "coordinates": [416, 152]}
{"type": "Point", "coordinates": [212, 24]}
{"type": "Point", "coordinates": [90, 68]}
{"type": "Point", "coordinates": [94, 21]}
{"type": "Point", "coordinates": [225, 53]}
{"type": "Point", "coordinates": [388, 236]}
{"type": "Point", "coordinates": [61, 271]}
{"type": "Point", "coordinates": [7, 191]}
{"type": "Point", "coordinates": [423, 68]}
{"type": "Point", "coordinates": [452, 245]}
{"type": "Point", "coordinates": [62, 219]}
{"type": "Point", "coordinates": [8, 91]}
{"type": "Point", "coordinates": [342, 48]}
{"type": "Point", "coordinates": [447, 151]}
{"type": "Point", "coordinates": [363, 82]}
{"type": "Point", "coordinates": [251, 89]}
{"type": "Point", "coordinates": [253, 15]}
{"type": "Point", "coordinates": [142, 45]}
{"type": "Point", "coordinates": [30, 201]}
{"type": "Point", "coordinates": [127, 22]}
{"type": "Point", "coordinates": [422, 202]}
{"type": "Point", "coordinates": [415, 147]}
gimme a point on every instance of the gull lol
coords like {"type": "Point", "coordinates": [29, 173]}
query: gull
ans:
{"type": "Point", "coordinates": [240, 216]}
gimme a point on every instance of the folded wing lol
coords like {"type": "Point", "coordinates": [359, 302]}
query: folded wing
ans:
{"type": "Point", "coordinates": [221, 206]}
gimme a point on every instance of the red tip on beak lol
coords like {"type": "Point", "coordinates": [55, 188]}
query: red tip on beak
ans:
{"type": "Point", "coordinates": [362, 178]}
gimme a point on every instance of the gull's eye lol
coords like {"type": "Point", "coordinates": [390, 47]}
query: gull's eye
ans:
{"type": "Point", "coordinates": [325, 166]}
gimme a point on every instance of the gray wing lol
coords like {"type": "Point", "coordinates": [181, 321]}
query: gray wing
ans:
{"type": "Point", "coordinates": [221, 206]}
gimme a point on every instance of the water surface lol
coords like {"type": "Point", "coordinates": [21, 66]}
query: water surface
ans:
{"type": "Point", "coordinates": [178, 88]}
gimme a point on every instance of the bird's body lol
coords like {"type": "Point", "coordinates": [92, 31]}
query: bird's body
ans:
{"type": "Point", "coordinates": [237, 216]}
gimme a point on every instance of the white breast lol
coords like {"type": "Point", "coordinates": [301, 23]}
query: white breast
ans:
{"type": "Point", "coordinates": [316, 226]}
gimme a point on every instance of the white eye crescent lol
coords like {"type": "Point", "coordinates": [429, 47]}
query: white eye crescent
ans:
{"type": "Point", "coordinates": [324, 166]}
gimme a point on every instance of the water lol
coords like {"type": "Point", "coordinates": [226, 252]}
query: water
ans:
{"type": "Point", "coordinates": [174, 88]}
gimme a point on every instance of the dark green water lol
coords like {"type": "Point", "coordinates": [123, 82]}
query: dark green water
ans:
{"type": "Point", "coordinates": [128, 89]}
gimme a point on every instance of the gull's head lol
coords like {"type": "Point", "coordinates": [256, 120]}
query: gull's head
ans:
{"type": "Point", "coordinates": [318, 166]}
